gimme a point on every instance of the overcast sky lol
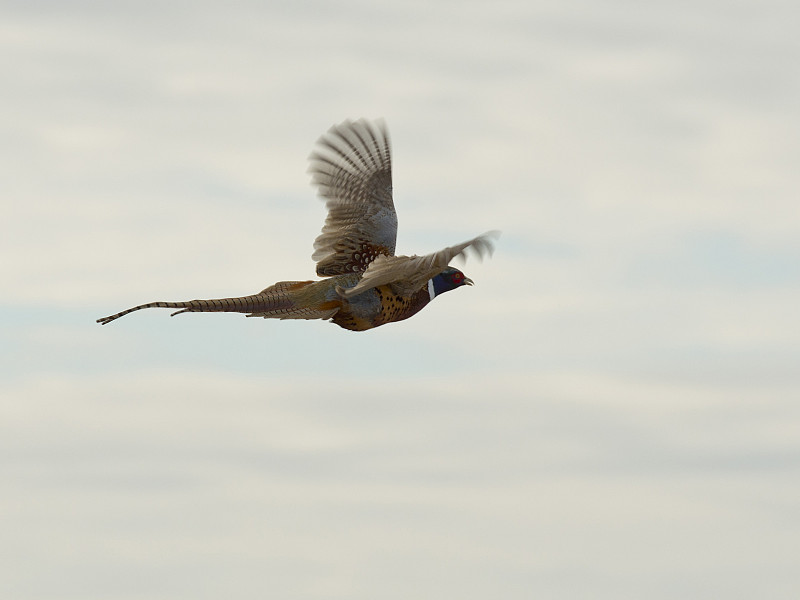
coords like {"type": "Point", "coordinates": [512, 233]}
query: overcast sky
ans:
{"type": "Point", "coordinates": [612, 412]}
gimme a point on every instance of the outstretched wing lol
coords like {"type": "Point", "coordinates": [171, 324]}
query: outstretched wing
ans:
{"type": "Point", "coordinates": [352, 167]}
{"type": "Point", "coordinates": [408, 274]}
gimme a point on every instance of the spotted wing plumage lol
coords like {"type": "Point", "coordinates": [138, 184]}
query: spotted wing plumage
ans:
{"type": "Point", "coordinates": [352, 168]}
{"type": "Point", "coordinates": [408, 274]}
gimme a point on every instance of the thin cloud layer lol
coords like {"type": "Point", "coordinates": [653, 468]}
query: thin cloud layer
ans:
{"type": "Point", "coordinates": [610, 409]}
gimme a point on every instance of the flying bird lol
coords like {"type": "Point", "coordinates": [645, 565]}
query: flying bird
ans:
{"type": "Point", "coordinates": [364, 284]}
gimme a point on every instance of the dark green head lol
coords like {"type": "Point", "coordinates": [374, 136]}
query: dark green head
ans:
{"type": "Point", "coordinates": [447, 280]}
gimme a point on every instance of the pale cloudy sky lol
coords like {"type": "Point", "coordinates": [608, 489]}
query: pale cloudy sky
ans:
{"type": "Point", "coordinates": [611, 412]}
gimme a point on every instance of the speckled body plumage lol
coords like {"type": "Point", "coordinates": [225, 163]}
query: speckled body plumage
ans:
{"type": "Point", "coordinates": [376, 306]}
{"type": "Point", "coordinates": [365, 284]}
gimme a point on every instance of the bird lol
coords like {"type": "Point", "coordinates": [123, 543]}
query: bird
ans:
{"type": "Point", "coordinates": [364, 284]}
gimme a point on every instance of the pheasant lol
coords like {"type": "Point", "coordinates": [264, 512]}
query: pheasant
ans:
{"type": "Point", "coordinates": [364, 284]}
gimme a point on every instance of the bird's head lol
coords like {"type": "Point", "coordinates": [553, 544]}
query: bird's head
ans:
{"type": "Point", "coordinates": [449, 279]}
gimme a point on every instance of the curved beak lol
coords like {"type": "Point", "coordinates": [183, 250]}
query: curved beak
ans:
{"type": "Point", "coordinates": [468, 281]}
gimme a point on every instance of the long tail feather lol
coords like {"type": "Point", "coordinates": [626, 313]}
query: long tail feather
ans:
{"type": "Point", "coordinates": [275, 301]}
